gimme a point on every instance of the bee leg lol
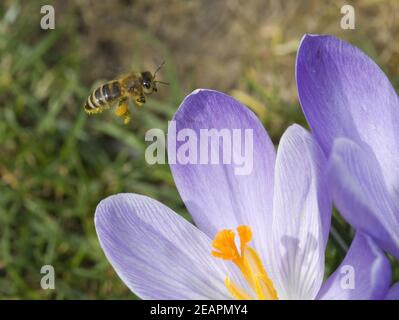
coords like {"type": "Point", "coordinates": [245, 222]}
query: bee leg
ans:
{"type": "Point", "coordinates": [127, 118]}
{"type": "Point", "coordinates": [140, 101]}
{"type": "Point", "coordinates": [122, 110]}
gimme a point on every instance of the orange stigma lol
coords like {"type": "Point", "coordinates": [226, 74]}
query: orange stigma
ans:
{"type": "Point", "coordinates": [247, 260]}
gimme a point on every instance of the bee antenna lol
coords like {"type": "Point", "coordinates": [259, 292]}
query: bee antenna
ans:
{"type": "Point", "coordinates": [159, 67]}
{"type": "Point", "coordinates": [162, 82]}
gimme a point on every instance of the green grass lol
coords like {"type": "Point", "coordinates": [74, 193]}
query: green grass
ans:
{"type": "Point", "coordinates": [57, 163]}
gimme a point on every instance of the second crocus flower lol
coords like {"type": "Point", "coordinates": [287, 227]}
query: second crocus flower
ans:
{"type": "Point", "coordinates": [353, 111]}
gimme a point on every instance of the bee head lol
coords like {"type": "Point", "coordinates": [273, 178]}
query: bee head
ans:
{"type": "Point", "coordinates": [148, 82]}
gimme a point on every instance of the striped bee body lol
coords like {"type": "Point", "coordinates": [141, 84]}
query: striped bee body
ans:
{"type": "Point", "coordinates": [103, 97]}
{"type": "Point", "coordinates": [133, 86]}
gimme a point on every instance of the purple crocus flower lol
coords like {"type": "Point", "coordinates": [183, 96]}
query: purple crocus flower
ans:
{"type": "Point", "coordinates": [261, 235]}
{"type": "Point", "coordinates": [353, 111]}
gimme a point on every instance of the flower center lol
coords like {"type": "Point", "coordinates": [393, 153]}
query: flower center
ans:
{"type": "Point", "coordinates": [247, 260]}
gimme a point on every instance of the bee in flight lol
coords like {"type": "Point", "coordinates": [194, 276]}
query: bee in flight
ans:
{"type": "Point", "coordinates": [135, 86]}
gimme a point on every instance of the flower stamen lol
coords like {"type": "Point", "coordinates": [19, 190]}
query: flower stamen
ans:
{"type": "Point", "coordinates": [247, 260]}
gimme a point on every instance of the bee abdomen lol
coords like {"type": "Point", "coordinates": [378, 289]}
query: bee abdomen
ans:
{"type": "Point", "coordinates": [102, 97]}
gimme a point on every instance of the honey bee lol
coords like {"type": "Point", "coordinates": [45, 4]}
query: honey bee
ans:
{"type": "Point", "coordinates": [134, 86]}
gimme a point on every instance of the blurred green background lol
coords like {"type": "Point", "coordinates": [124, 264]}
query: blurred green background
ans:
{"type": "Point", "coordinates": [57, 163]}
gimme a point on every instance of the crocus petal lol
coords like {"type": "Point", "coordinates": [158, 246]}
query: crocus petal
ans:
{"type": "Point", "coordinates": [343, 93]}
{"type": "Point", "coordinates": [360, 193]}
{"type": "Point", "coordinates": [393, 293]}
{"type": "Point", "coordinates": [215, 195]}
{"type": "Point", "coordinates": [301, 216]}
{"type": "Point", "coordinates": [157, 253]}
{"type": "Point", "coordinates": [365, 273]}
